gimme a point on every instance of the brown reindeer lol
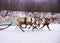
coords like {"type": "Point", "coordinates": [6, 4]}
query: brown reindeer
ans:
{"type": "Point", "coordinates": [26, 21]}
{"type": "Point", "coordinates": [36, 23]}
{"type": "Point", "coordinates": [53, 19]}
{"type": "Point", "coordinates": [45, 21]}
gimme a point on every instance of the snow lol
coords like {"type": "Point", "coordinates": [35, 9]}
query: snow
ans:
{"type": "Point", "coordinates": [14, 35]}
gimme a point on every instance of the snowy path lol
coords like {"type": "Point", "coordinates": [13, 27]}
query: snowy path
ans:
{"type": "Point", "coordinates": [14, 35]}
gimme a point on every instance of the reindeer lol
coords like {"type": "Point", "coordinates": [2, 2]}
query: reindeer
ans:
{"type": "Point", "coordinates": [36, 23]}
{"type": "Point", "coordinates": [53, 19]}
{"type": "Point", "coordinates": [46, 21]}
{"type": "Point", "coordinates": [26, 21]}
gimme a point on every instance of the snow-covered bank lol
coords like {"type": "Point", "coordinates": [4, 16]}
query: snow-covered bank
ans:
{"type": "Point", "coordinates": [15, 35]}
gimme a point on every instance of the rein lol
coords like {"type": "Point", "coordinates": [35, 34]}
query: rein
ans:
{"type": "Point", "coordinates": [5, 27]}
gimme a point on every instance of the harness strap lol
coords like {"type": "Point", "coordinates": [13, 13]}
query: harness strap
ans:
{"type": "Point", "coordinates": [25, 19]}
{"type": "Point", "coordinates": [31, 19]}
{"type": "Point", "coordinates": [35, 22]}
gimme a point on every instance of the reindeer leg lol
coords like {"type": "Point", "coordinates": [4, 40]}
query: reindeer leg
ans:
{"type": "Point", "coordinates": [48, 27]}
{"type": "Point", "coordinates": [21, 28]}
{"type": "Point", "coordinates": [34, 27]}
{"type": "Point", "coordinates": [25, 26]}
{"type": "Point", "coordinates": [38, 25]}
{"type": "Point", "coordinates": [30, 26]}
{"type": "Point", "coordinates": [42, 27]}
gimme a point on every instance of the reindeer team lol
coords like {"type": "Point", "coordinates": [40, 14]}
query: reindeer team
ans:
{"type": "Point", "coordinates": [34, 22]}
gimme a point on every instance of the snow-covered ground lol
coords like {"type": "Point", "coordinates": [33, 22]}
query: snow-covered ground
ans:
{"type": "Point", "coordinates": [14, 35]}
